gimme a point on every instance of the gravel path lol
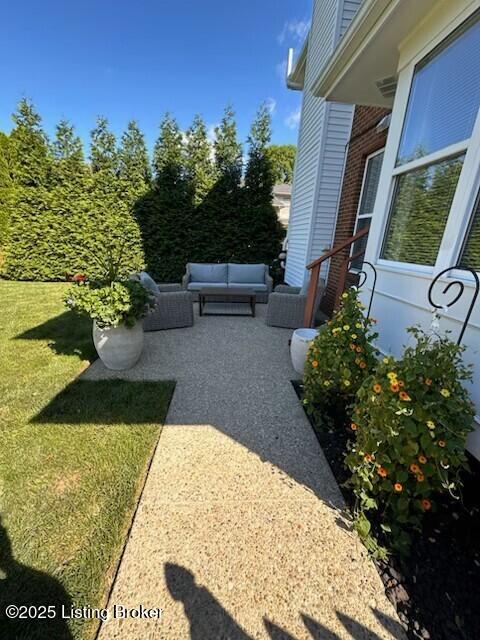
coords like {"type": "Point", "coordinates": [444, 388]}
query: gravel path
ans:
{"type": "Point", "coordinates": [239, 533]}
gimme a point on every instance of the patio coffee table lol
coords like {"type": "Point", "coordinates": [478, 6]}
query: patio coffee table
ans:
{"type": "Point", "coordinates": [224, 294]}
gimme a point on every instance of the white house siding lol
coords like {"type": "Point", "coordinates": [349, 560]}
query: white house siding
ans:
{"type": "Point", "coordinates": [338, 124]}
{"type": "Point", "coordinates": [324, 132]}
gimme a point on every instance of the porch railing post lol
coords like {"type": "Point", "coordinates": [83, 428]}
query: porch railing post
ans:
{"type": "Point", "coordinates": [311, 295]}
{"type": "Point", "coordinates": [314, 268]}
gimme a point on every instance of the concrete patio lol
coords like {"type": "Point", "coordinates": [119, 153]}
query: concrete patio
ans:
{"type": "Point", "coordinates": [240, 532]}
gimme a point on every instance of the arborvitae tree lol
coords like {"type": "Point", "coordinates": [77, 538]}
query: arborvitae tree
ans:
{"type": "Point", "coordinates": [70, 199]}
{"type": "Point", "coordinates": [29, 147]}
{"type": "Point", "coordinates": [7, 187]}
{"type": "Point", "coordinates": [165, 212]}
{"type": "Point", "coordinates": [282, 160]}
{"type": "Point", "coordinates": [112, 230]}
{"type": "Point", "coordinates": [30, 240]}
{"type": "Point", "coordinates": [217, 216]}
{"type": "Point", "coordinates": [199, 165]}
{"type": "Point", "coordinates": [259, 220]}
{"type": "Point", "coordinates": [134, 166]}
{"type": "Point", "coordinates": [169, 154]}
{"type": "Point", "coordinates": [228, 151]}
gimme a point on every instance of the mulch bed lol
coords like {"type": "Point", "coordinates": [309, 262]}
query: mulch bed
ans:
{"type": "Point", "coordinates": [436, 590]}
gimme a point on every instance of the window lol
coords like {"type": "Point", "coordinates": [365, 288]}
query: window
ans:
{"type": "Point", "coordinates": [439, 120]}
{"type": "Point", "coordinates": [420, 209]}
{"type": "Point", "coordinates": [444, 96]}
{"type": "Point", "coordinates": [371, 177]}
{"type": "Point", "coordinates": [471, 251]}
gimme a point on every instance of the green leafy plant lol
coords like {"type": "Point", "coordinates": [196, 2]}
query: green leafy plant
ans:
{"type": "Point", "coordinates": [110, 304]}
{"type": "Point", "coordinates": [410, 421]}
{"type": "Point", "coordinates": [340, 357]}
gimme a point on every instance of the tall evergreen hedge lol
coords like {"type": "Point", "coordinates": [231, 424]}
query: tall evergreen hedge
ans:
{"type": "Point", "coordinates": [60, 214]}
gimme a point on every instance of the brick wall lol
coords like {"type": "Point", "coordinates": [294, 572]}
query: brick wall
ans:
{"type": "Point", "coordinates": [364, 140]}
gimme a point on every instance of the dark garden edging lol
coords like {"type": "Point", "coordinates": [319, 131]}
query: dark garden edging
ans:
{"type": "Point", "coordinates": [436, 589]}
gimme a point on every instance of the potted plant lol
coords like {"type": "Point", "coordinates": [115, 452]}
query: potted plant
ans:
{"type": "Point", "coordinates": [116, 308]}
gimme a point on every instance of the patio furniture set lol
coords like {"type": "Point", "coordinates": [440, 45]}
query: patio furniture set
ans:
{"type": "Point", "coordinates": [231, 285]}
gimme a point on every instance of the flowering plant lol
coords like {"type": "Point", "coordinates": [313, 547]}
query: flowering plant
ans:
{"type": "Point", "coordinates": [410, 421]}
{"type": "Point", "coordinates": [340, 357]}
{"type": "Point", "coordinates": [110, 304]}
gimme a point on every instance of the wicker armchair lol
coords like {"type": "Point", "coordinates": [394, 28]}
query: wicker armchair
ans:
{"type": "Point", "coordinates": [173, 309]}
{"type": "Point", "coordinates": [286, 306]}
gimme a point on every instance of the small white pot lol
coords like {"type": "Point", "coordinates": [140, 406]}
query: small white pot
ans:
{"type": "Point", "coordinates": [301, 341]}
{"type": "Point", "coordinates": [119, 347]}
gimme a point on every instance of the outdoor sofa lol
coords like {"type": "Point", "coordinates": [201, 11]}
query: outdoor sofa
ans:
{"type": "Point", "coordinates": [228, 275]}
{"type": "Point", "coordinates": [173, 306]}
{"type": "Point", "coordinates": [286, 305]}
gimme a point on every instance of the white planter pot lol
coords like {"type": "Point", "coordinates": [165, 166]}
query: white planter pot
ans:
{"type": "Point", "coordinates": [301, 340]}
{"type": "Point", "coordinates": [119, 347]}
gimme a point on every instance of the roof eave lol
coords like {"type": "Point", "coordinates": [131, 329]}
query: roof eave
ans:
{"type": "Point", "coordinates": [368, 53]}
{"type": "Point", "coordinates": [296, 78]}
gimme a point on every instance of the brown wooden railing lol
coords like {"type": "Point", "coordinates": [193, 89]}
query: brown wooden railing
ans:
{"type": "Point", "coordinates": [314, 267]}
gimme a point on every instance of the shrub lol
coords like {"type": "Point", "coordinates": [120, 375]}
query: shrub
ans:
{"type": "Point", "coordinates": [110, 304]}
{"type": "Point", "coordinates": [411, 421]}
{"type": "Point", "coordinates": [340, 358]}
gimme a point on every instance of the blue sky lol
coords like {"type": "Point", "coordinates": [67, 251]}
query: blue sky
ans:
{"type": "Point", "coordinates": [137, 59]}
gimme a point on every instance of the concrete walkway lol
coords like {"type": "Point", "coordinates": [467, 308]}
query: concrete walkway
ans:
{"type": "Point", "coordinates": [240, 532]}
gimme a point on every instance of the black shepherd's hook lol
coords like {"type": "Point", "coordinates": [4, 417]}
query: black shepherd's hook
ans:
{"type": "Point", "coordinates": [461, 289]}
{"type": "Point", "coordinates": [362, 282]}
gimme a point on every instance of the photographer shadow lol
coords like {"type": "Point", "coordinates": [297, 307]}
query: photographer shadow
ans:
{"type": "Point", "coordinates": [23, 586]}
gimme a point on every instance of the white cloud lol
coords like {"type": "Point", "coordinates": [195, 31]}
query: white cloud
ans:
{"type": "Point", "coordinates": [293, 119]}
{"type": "Point", "coordinates": [271, 105]}
{"type": "Point", "coordinates": [294, 31]}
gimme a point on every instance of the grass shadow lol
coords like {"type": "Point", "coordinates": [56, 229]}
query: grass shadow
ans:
{"type": "Point", "coordinates": [108, 402]}
{"type": "Point", "coordinates": [67, 334]}
{"type": "Point", "coordinates": [24, 586]}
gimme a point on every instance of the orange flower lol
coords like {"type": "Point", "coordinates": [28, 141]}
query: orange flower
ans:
{"type": "Point", "coordinates": [420, 477]}
{"type": "Point", "coordinates": [362, 364]}
{"type": "Point", "coordinates": [352, 347]}
{"type": "Point", "coordinates": [398, 487]}
{"type": "Point", "coordinates": [441, 443]}
{"type": "Point", "coordinates": [422, 459]}
{"type": "Point", "coordinates": [394, 387]}
{"type": "Point", "coordinates": [428, 381]}
{"type": "Point", "coordinates": [368, 457]}
{"type": "Point", "coordinates": [314, 363]}
{"type": "Point", "coordinates": [382, 472]}
{"type": "Point", "coordinates": [358, 349]}
{"type": "Point", "coordinates": [401, 383]}
{"type": "Point", "coordinates": [403, 395]}
{"type": "Point", "coordinates": [426, 504]}
{"type": "Point", "coordinates": [354, 426]}
{"type": "Point", "coordinates": [414, 468]}
{"type": "Point", "coordinates": [377, 388]}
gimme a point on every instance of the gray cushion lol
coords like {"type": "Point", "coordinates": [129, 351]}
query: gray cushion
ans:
{"type": "Point", "coordinates": [246, 273]}
{"type": "Point", "coordinates": [196, 286]}
{"type": "Point", "coordinates": [148, 282]}
{"type": "Point", "coordinates": [216, 273]}
{"type": "Point", "coordinates": [256, 286]}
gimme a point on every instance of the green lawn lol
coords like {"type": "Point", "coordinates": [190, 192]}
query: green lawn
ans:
{"type": "Point", "coordinates": [73, 458]}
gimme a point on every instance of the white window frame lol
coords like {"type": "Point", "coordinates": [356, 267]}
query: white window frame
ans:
{"type": "Point", "coordinates": [468, 185]}
{"type": "Point", "coordinates": [362, 216]}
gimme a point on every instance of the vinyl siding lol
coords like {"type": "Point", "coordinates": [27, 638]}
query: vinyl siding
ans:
{"type": "Point", "coordinates": [324, 132]}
